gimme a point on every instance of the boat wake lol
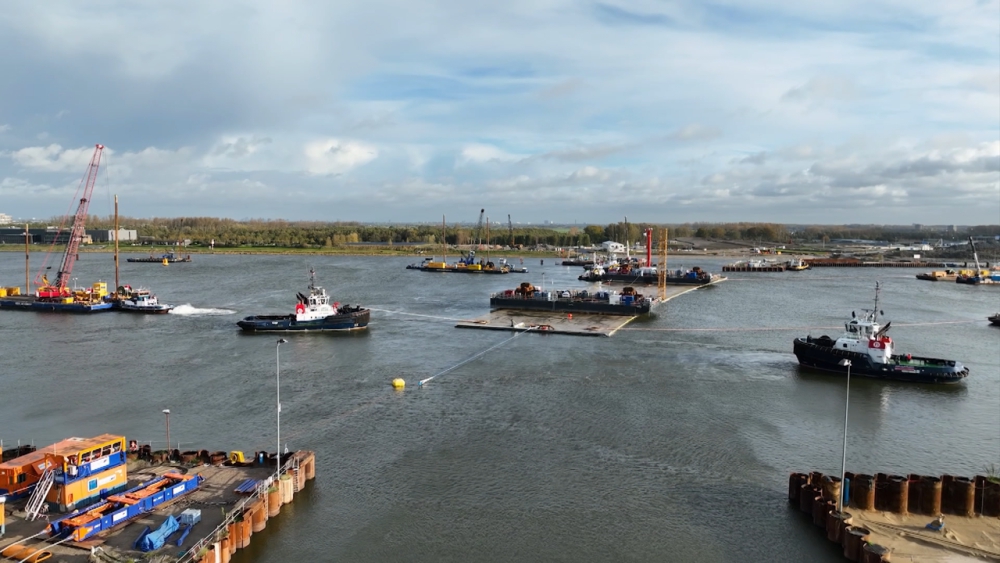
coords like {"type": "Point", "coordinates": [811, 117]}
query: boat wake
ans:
{"type": "Point", "coordinates": [187, 310]}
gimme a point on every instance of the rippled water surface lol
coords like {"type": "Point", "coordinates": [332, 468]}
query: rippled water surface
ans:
{"type": "Point", "coordinates": [670, 441]}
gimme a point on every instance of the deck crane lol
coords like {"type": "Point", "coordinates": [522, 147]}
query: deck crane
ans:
{"type": "Point", "coordinates": [479, 230]}
{"type": "Point", "coordinates": [510, 228]}
{"type": "Point", "coordinates": [76, 230]}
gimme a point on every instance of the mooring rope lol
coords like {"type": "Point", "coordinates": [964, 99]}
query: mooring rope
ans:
{"type": "Point", "coordinates": [469, 359]}
{"type": "Point", "coordinates": [415, 314]}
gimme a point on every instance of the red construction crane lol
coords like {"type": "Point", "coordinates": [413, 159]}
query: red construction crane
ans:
{"type": "Point", "coordinates": [77, 229]}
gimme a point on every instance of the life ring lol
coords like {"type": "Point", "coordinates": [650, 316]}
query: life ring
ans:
{"type": "Point", "coordinates": [300, 308]}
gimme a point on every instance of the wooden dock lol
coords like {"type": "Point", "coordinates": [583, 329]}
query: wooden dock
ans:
{"type": "Point", "coordinates": [577, 324]}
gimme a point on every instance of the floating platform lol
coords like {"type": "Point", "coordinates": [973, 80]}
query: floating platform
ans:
{"type": "Point", "coordinates": [218, 516]}
{"type": "Point", "coordinates": [575, 324]}
{"type": "Point", "coordinates": [856, 263]}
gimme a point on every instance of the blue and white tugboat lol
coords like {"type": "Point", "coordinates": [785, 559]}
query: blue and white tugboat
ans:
{"type": "Point", "coordinates": [870, 354]}
{"type": "Point", "coordinates": [139, 301]}
{"type": "Point", "coordinates": [313, 312]}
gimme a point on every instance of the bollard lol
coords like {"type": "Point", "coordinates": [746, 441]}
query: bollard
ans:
{"type": "Point", "coordinates": [831, 487]}
{"type": "Point", "coordinates": [963, 497]}
{"type": "Point", "coordinates": [991, 498]}
{"type": "Point", "coordinates": [874, 553]}
{"type": "Point", "coordinates": [795, 482]}
{"type": "Point", "coordinates": [897, 494]}
{"type": "Point", "coordinates": [914, 492]}
{"type": "Point", "coordinates": [259, 516]}
{"type": "Point", "coordinates": [863, 492]}
{"type": "Point", "coordinates": [853, 542]}
{"type": "Point", "coordinates": [805, 498]}
{"type": "Point", "coordinates": [835, 524]}
{"type": "Point", "coordinates": [273, 501]}
{"type": "Point", "coordinates": [930, 496]}
{"type": "Point", "coordinates": [819, 511]}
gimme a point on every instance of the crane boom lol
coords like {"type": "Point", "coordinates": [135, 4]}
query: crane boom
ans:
{"type": "Point", "coordinates": [479, 230]}
{"type": "Point", "coordinates": [77, 229]}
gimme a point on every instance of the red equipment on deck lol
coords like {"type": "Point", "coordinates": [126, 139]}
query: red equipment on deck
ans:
{"type": "Point", "coordinates": [59, 289]}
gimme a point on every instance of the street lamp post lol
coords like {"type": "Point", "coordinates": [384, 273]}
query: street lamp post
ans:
{"type": "Point", "coordinates": [167, 413]}
{"type": "Point", "coordinates": [277, 387]}
{"type": "Point", "coordinates": [843, 463]}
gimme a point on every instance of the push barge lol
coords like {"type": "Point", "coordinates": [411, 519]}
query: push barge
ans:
{"type": "Point", "coordinates": [648, 275]}
{"type": "Point", "coordinates": [168, 258]}
{"type": "Point", "coordinates": [466, 265]}
{"type": "Point", "coordinates": [865, 349]}
{"type": "Point", "coordinates": [527, 297]}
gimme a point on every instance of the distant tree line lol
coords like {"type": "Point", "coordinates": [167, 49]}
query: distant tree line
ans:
{"type": "Point", "coordinates": [312, 234]}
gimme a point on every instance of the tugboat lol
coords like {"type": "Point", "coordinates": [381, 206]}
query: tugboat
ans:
{"type": "Point", "coordinates": [529, 297]}
{"type": "Point", "coordinates": [313, 312]}
{"type": "Point", "coordinates": [994, 319]}
{"type": "Point", "coordinates": [870, 354]}
{"type": "Point", "coordinates": [139, 301]}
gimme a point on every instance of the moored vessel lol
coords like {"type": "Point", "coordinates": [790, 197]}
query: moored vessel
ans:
{"type": "Point", "coordinates": [313, 312]}
{"type": "Point", "coordinates": [168, 258]}
{"type": "Point", "coordinates": [943, 275]}
{"type": "Point", "coordinates": [531, 298]}
{"type": "Point", "coordinates": [797, 265]}
{"type": "Point", "coordinates": [648, 275]}
{"type": "Point", "coordinates": [870, 353]}
{"type": "Point", "coordinates": [465, 265]}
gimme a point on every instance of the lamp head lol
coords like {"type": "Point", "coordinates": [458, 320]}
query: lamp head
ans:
{"type": "Point", "coordinates": [166, 411]}
{"type": "Point", "coordinates": [844, 362]}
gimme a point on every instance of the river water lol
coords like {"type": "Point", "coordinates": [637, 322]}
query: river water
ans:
{"type": "Point", "coordinates": [671, 441]}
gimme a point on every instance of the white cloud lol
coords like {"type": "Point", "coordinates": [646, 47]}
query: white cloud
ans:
{"type": "Point", "coordinates": [53, 158]}
{"type": "Point", "coordinates": [4, 127]}
{"type": "Point", "coordinates": [478, 153]}
{"type": "Point", "coordinates": [333, 156]}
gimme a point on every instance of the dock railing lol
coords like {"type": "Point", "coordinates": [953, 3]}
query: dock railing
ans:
{"type": "Point", "coordinates": [192, 553]}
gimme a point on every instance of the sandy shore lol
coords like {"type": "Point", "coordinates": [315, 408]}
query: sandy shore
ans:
{"type": "Point", "coordinates": [963, 539]}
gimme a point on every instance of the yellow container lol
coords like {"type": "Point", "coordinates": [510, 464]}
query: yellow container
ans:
{"type": "Point", "coordinates": [3, 292]}
{"type": "Point", "coordinates": [14, 290]}
{"type": "Point", "coordinates": [100, 289]}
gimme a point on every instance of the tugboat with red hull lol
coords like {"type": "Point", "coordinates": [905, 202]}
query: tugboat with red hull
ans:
{"type": "Point", "coordinates": [870, 351]}
{"type": "Point", "coordinates": [313, 312]}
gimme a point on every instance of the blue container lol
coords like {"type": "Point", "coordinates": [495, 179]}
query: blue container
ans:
{"type": "Point", "coordinates": [846, 492]}
{"type": "Point", "coordinates": [627, 299]}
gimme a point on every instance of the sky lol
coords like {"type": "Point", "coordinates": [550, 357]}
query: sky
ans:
{"type": "Point", "coordinates": [829, 111]}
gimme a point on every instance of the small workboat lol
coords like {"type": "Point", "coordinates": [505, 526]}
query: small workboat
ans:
{"type": "Point", "coordinates": [866, 350]}
{"type": "Point", "coordinates": [994, 319]}
{"type": "Point", "coordinates": [313, 312]}
{"type": "Point", "coordinates": [796, 265]}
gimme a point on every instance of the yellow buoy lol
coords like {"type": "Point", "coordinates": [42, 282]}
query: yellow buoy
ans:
{"type": "Point", "coordinates": [398, 383]}
{"type": "Point", "coordinates": [166, 262]}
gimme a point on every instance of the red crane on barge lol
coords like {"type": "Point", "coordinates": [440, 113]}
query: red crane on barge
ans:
{"type": "Point", "coordinates": [59, 289]}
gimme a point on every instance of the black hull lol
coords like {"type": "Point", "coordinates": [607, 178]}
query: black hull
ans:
{"type": "Point", "coordinates": [157, 260]}
{"type": "Point", "coordinates": [914, 370]}
{"type": "Point", "coordinates": [570, 306]}
{"type": "Point", "coordinates": [356, 320]}
{"type": "Point", "coordinates": [994, 320]}
{"type": "Point", "coordinates": [646, 280]}
{"type": "Point", "coordinates": [455, 270]}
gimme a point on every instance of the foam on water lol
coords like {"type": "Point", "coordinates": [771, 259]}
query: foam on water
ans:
{"type": "Point", "coordinates": [187, 310]}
